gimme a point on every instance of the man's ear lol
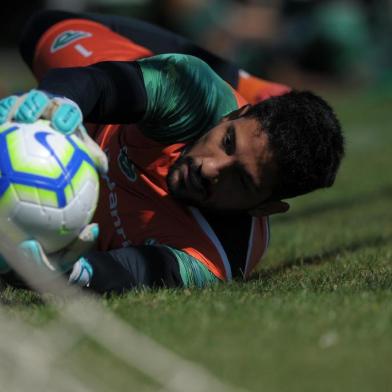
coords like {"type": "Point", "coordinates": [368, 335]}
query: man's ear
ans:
{"type": "Point", "coordinates": [237, 113]}
{"type": "Point", "coordinates": [270, 208]}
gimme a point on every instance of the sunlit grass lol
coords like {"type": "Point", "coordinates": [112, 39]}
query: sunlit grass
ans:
{"type": "Point", "coordinates": [317, 316]}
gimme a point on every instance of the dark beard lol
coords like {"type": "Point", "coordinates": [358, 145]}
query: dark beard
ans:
{"type": "Point", "coordinates": [178, 191]}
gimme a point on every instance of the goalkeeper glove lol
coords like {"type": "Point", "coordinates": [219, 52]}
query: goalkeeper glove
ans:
{"type": "Point", "coordinates": [64, 259]}
{"type": "Point", "coordinates": [69, 259]}
{"type": "Point", "coordinates": [64, 115]}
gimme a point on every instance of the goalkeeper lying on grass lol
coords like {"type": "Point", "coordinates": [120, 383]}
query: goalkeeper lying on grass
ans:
{"type": "Point", "coordinates": [194, 170]}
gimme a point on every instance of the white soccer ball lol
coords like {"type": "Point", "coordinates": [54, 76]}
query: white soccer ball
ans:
{"type": "Point", "coordinates": [48, 184]}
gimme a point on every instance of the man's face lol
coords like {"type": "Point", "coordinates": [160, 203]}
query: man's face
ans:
{"type": "Point", "coordinates": [228, 168]}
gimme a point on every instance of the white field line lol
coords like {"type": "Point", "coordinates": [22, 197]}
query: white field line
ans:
{"type": "Point", "coordinates": [137, 350]}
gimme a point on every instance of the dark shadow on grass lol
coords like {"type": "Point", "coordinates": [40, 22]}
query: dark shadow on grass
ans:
{"type": "Point", "coordinates": [337, 205]}
{"type": "Point", "coordinates": [323, 257]}
{"type": "Point", "coordinates": [13, 292]}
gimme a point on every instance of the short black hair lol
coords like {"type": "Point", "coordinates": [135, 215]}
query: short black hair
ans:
{"type": "Point", "coordinates": [306, 140]}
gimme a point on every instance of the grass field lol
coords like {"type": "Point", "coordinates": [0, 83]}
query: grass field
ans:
{"type": "Point", "coordinates": [317, 317]}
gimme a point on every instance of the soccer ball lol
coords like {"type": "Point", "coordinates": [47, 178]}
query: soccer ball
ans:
{"type": "Point", "coordinates": [48, 184]}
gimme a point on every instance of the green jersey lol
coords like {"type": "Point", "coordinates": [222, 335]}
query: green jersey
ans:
{"type": "Point", "coordinates": [185, 98]}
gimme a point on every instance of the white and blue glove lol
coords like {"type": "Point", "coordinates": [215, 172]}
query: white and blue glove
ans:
{"type": "Point", "coordinates": [63, 114]}
{"type": "Point", "coordinates": [67, 260]}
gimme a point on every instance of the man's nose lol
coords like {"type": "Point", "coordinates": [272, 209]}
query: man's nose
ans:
{"type": "Point", "coordinates": [212, 168]}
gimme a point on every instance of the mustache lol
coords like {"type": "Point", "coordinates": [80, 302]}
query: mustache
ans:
{"type": "Point", "coordinates": [194, 172]}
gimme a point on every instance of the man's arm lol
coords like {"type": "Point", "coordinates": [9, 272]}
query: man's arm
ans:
{"type": "Point", "coordinates": [125, 269]}
{"type": "Point", "coordinates": [133, 267]}
{"type": "Point", "coordinates": [157, 39]}
{"type": "Point", "coordinates": [108, 92]}
{"type": "Point", "coordinates": [174, 98]}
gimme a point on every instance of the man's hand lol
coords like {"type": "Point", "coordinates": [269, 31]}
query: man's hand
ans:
{"type": "Point", "coordinates": [63, 114]}
{"type": "Point", "coordinates": [270, 208]}
{"type": "Point", "coordinates": [69, 259]}
{"type": "Point", "coordinates": [64, 259]}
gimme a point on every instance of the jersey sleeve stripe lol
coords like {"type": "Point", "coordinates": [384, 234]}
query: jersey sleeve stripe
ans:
{"type": "Point", "coordinates": [213, 237]}
{"type": "Point", "coordinates": [250, 247]}
{"type": "Point", "coordinates": [256, 251]}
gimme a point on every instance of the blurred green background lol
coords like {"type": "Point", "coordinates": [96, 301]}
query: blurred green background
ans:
{"type": "Point", "coordinates": [306, 44]}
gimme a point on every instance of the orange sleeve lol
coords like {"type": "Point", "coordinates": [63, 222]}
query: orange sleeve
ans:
{"type": "Point", "coordinates": [255, 89]}
{"type": "Point", "coordinates": [81, 42]}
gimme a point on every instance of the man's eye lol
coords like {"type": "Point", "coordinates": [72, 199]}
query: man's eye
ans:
{"type": "Point", "coordinates": [229, 142]}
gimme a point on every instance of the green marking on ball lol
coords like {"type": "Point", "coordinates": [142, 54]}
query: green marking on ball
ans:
{"type": "Point", "coordinates": [64, 230]}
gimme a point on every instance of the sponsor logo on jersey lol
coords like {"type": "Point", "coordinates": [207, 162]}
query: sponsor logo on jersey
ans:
{"type": "Point", "coordinates": [126, 166]}
{"type": "Point", "coordinates": [66, 38]}
{"type": "Point", "coordinates": [113, 208]}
